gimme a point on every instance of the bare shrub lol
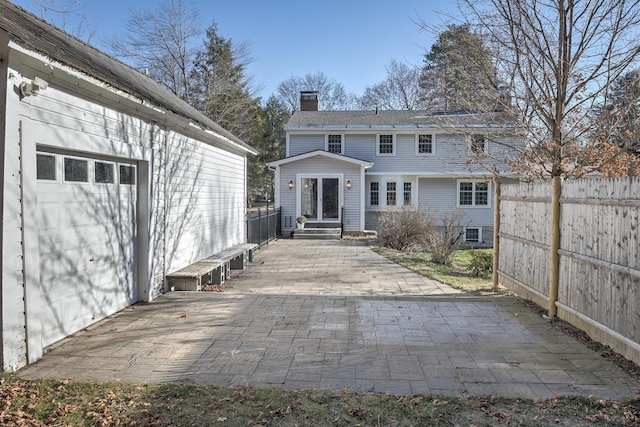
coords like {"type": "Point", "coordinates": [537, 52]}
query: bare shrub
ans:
{"type": "Point", "coordinates": [446, 238]}
{"type": "Point", "coordinates": [403, 227]}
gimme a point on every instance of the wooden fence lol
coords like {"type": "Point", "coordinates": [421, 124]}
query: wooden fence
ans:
{"type": "Point", "coordinates": [599, 254]}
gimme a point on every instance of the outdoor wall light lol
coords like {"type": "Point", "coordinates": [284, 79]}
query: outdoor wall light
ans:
{"type": "Point", "coordinates": [32, 88]}
{"type": "Point", "coordinates": [348, 184]}
{"type": "Point", "coordinates": [290, 184]}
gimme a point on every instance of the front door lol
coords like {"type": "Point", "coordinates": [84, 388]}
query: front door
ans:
{"type": "Point", "coordinates": [320, 199]}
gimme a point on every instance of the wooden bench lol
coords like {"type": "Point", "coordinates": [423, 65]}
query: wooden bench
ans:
{"type": "Point", "coordinates": [215, 270]}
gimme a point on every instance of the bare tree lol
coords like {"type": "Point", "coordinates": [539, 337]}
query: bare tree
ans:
{"type": "Point", "coordinates": [163, 43]}
{"type": "Point", "coordinates": [560, 57]}
{"type": "Point", "coordinates": [68, 15]}
{"type": "Point", "coordinates": [399, 91]}
{"type": "Point", "coordinates": [333, 95]}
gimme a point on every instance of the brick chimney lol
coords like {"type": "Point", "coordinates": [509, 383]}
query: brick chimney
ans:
{"type": "Point", "coordinates": [309, 101]}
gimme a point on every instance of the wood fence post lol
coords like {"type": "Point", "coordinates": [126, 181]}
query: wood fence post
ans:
{"type": "Point", "coordinates": [554, 256]}
{"type": "Point", "coordinates": [496, 232]}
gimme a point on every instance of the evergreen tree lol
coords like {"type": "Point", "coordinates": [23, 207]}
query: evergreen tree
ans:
{"type": "Point", "coordinates": [459, 73]}
{"type": "Point", "coordinates": [619, 118]}
{"type": "Point", "coordinates": [220, 87]}
{"type": "Point", "coordinates": [270, 142]}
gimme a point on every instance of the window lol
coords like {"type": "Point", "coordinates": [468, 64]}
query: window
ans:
{"type": "Point", "coordinates": [424, 145]}
{"type": "Point", "coordinates": [391, 193]}
{"type": "Point", "coordinates": [334, 144]}
{"type": "Point", "coordinates": [386, 145]}
{"type": "Point", "coordinates": [478, 144]}
{"type": "Point", "coordinates": [46, 167]}
{"type": "Point", "coordinates": [127, 175]}
{"type": "Point", "coordinates": [407, 193]}
{"type": "Point", "coordinates": [103, 173]}
{"type": "Point", "coordinates": [473, 193]}
{"type": "Point", "coordinates": [76, 170]}
{"type": "Point", "coordinates": [473, 234]}
{"type": "Point", "coordinates": [374, 194]}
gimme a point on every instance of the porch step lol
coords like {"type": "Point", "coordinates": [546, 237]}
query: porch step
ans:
{"type": "Point", "coordinates": [323, 233]}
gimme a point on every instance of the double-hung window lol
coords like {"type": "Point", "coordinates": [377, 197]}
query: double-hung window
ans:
{"type": "Point", "coordinates": [334, 144]}
{"type": "Point", "coordinates": [391, 193]}
{"type": "Point", "coordinates": [374, 194]}
{"type": "Point", "coordinates": [407, 194]}
{"type": "Point", "coordinates": [478, 144]}
{"type": "Point", "coordinates": [424, 145]}
{"type": "Point", "coordinates": [386, 145]}
{"type": "Point", "coordinates": [473, 193]}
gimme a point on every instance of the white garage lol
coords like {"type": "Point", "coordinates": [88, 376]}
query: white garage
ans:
{"type": "Point", "coordinates": [109, 182]}
{"type": "Point", "coordinates": [86, 216]}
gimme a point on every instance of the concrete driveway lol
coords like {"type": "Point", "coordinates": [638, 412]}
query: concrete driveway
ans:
{"type": "Point", "coordinates": [333, 314]}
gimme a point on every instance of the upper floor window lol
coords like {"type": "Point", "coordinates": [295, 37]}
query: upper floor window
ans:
{"type": "Point", "coordinates": [424, 144]}
{"type": "Point", "coordinates": [391, 193]}
{"type": "Point", "coordinates": [374, 194]}
{"type": "Point", "coordinates": [473, 193]}
{"type": "Point", "coordinates": [386, 145]}
{"type": "Point", "coordinates": [478, 144]}
{"type": "Point", "coordinates": [334, 144]}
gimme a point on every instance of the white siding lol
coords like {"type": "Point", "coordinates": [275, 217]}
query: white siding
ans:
{"type": "Point", "coordinates": [205, 201]}
{"type": "Point", "coordinates": [195, 190]}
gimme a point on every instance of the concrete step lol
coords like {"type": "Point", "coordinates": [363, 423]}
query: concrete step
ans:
{"type": "Point", "coordinates": [317, 233]}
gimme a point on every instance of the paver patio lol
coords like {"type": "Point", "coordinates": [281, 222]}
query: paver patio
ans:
{"type": "Point", "coordinates": [333, 314]}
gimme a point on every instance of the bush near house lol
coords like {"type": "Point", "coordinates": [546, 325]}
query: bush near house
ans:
{"type": "Point", "coordinates": [404, 227]}
{"type": "Point", "coordinates": [415, 228]}
{"type": "Point", "coordinates": [481, 262]}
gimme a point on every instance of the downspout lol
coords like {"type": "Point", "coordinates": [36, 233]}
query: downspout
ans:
{"type": "Point", "coordinates": [166, 209]}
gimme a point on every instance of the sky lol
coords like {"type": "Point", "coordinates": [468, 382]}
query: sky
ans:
{"type": "Point", "coordinates": [350, 41]}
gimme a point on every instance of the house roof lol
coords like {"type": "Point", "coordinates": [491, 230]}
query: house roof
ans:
{"type": "Point", "coordinates": [353, 160]}
{"type": "Point", "coordinates": [33, 33]}
{"type": "Point", "coordinates": [385, 119]}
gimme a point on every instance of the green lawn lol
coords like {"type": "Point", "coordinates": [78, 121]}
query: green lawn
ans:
{"type": "Point", "coordinates": [456, 275]}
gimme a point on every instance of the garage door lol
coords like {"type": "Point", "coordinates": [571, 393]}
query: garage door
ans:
{"type": "Point", "coordinates": [86, 214]}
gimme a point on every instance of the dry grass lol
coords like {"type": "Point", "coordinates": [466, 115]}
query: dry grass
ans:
{"type": "Point", "coordinates": [69, 403]}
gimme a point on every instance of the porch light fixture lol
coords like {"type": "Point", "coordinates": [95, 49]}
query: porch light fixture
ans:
{"type": "Point", "coordinates": [290, 184]}
{"type": "Point", "coordinates": [348, 184]}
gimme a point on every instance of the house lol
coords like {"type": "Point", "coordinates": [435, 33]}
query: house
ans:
{"type": "Point", "coordinates": [343, 168]}
{"type": "Point", "coordinates": [109, 182]}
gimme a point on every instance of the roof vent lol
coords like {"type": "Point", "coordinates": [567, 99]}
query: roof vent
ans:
{"type": "Point", "coordinates": [309, 101]}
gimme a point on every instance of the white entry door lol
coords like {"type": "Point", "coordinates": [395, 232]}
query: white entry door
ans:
{"type": "Point", "coordinates": [320, 199]}
{"type": "Point", "coordinates": [86, 215]}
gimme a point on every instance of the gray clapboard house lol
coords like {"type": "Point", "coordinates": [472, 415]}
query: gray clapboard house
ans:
{"type": "Point", "coordinates": [344, 167]}
{"type": "Point", "coordinates": [109, 182]}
